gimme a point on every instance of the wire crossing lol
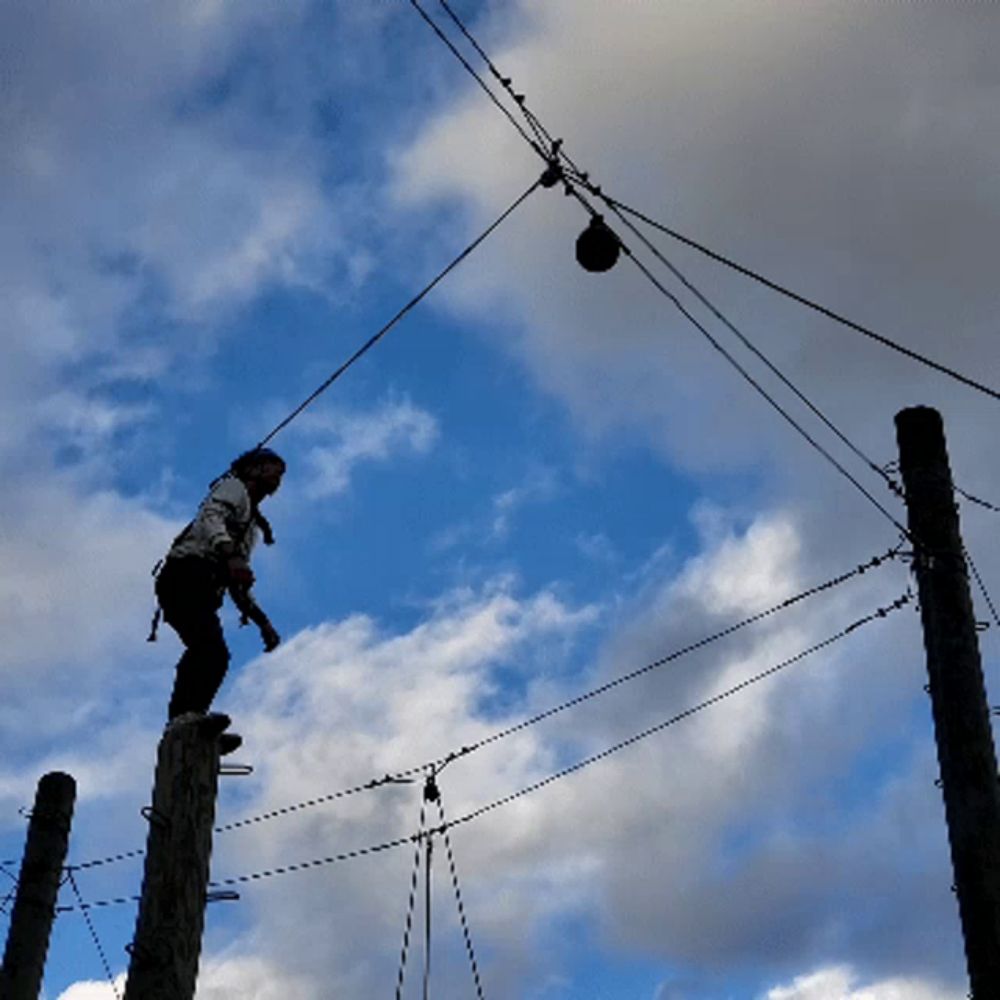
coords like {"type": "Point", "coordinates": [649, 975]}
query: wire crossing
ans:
{"type": "Point", "coordinates": [803, 300]}
{"type": "Point", "coordinates": [878, 614]}
{"type": "Point", "coordinates": [751, 380]}
{"type": "Point", "coordinates": [405, 776]}
{"type": "Point", "coordinates": [378, 335]}
{"type": "Point", "coordinates": [556, 155]}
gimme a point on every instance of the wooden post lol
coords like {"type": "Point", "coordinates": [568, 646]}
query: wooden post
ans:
{"type": "Point", "coordinates": [167, 945]}
{"type": "Point", "coordinates": [966, 754]}
{"type": "Point", "coordinates": [38, 887]}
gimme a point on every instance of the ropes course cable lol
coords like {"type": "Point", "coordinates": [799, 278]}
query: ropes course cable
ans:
{"type": "Point", "coordinates": [411, 903]}
{"type": "Point", "coordinates": [862, 568]}
{"type": "Point", "coordinates": [463, 920]}
{"type": "Point", "coordinates": [750, 346]}
{"type": "Point", "coordinates": [802, 299]}
{"type": "Point", "coordinates": [376, 337]}
{"type": "Point", "coordinates": [429, 855]}
{"type": "Point", "coordinates": [12, 892]}
{"type": "Point", "coordinates": [533, 143]}
{"type": "Point", "coordinates": [557, 152]}
{"type": "Point", "coordinates": [761, 391]}
{"type": "Point", "coordinates": [878, 614]}
{"type": "Point", "coordinates": [403, 776]}
{"type": "Point", "coordinates": [85, 910]}
{"type": "Point", "coordinates": [360, 852]}
{"type": "Point", "coordinates": [982, 587]}
{"type": "Point", "coordinates": [978, 501]}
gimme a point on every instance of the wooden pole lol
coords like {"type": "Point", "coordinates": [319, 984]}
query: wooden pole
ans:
{"type": "Point", "coordinates": [167, 945]}
{"type": "Point", "coordinates": [38, 887]}
{"type": "Point", "coordinates": [966, 753]}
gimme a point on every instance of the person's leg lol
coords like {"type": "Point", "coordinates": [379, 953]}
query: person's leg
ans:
{"type": "Point", "coordinates": [190, 600]}
{"type": "Point", "coordinates": [202, 667]}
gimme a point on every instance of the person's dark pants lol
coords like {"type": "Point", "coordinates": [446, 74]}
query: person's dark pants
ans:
{"type": "Point", "coordinates": [190, 593]}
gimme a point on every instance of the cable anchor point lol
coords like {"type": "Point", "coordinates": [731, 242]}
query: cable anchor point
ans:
{"type": "Point", "coordinates": [431, 791]}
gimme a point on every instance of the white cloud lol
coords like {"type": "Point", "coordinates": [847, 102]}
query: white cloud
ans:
{"type": "Point", "coordinates": [342, 440]}
{"type": "Point", "coordinates": [249, 978]}
{"type": "Point", "coordinates": [538, 486]}
{"type": "Point", "coordinates": [843, 984]}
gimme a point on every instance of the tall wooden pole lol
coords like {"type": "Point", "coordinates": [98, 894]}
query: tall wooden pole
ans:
{"type": "Point", "coordinates": [38, 887]}
{"type": "Point", "coordinates": [966, 754]}
{"type": "Point", "coordinates": [167, 945]}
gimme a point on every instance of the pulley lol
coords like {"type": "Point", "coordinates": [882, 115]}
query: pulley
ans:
{"type": "Point", "coordinates": [597, 247]}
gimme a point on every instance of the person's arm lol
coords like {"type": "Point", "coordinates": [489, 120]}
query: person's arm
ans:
{"type": "Point", "coordinates": [251, 611]}
{"type": "Point", "coordinates": [226, 501]}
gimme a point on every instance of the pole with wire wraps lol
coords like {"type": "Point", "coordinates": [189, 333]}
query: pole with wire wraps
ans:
{"type": "Point", "coordinates": [38, 888]}
{"type": "Point", "coordinates": [966, 754]}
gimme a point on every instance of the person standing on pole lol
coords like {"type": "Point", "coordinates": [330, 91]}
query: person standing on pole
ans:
{"type": "Point", "coordinates": [208, 558]}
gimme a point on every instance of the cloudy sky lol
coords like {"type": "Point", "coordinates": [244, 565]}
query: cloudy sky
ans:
{"type": "Point", "coordinates": [541, 480]}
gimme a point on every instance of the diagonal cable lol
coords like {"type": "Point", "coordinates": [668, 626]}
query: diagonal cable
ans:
{"type": "Point", "coordinates": [463, 920]}
{"type": "Point", "coordinates": [749, 345]}
{"type": "Point", "coordinates": [877, 615]}
{"type": "Point", "coordinates": [982, 587]}
{"type": "Point", "coordinates": [470, 69]}
{"type": "Point", "coordinates": [85, 910]}
{"type": "Point", "coordinates": [581, 177]}
{"type": "Point", "coordinates": [804, 300]}
{"type": "Point", "coordinates": [402, 776]}
{"type": "Point", "coordinates": [761, 391]}
{"type": "Point", "coordinates": [376, 337]}
{"type": "Point", "coordinates": [411, 902]}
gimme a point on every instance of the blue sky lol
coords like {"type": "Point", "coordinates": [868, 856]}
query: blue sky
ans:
{"type": "Point", "coordinates": [540, 480]}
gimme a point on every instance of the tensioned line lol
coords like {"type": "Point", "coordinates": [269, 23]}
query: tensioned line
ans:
{"type": "Point", "coordinates": [878, 614]}
{"type": "Point", "coordinates": [404, 776]}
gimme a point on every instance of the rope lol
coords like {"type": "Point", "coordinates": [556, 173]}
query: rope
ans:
{"type": "Point", "coordinates": [878, 614]}
{"type": "Point", "coordinates": [747, 343]}
{"type": "Point", "coordinates": [701, 328]}
{"type": "Point", "coordinates": [687, 713]}
{"type": "Point", "coordinates": [401, 777]}
{"type": "Point", "coordinates": [376, 337]}
{"type": "Point", "coordinates": [408, 925]}
{"type": "Point", "coordinates": [978, 501]}
{"type": "Point", "coordinates": [803, 300]}
{"type": "Point", "coordinates": [85, 910]}
{"type": "Point", "coordinates": [482, 83]}
{"type": "Point", "coordinates": [982, 587]}
{"type": "Point", "coordinates": [429, 853]}
{"type": "Point", "coordinates": [556, 152]}
{"type": "Point", "coordinates": [466, 935]}
{"type": "Point", "coordinates": [872, 563]}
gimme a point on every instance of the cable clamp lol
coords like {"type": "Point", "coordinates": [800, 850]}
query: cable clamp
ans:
{"type": "Point", "coordinates": [431, 791]}
{"type": "Point", "coordinates": [390, 779]}
{"type": "Point", "coordinates": [553, 172]}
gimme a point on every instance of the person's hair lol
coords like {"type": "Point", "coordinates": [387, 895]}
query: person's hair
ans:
{"type": "Point", "coordinates": [253, 458]}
